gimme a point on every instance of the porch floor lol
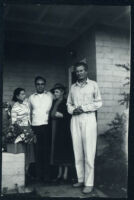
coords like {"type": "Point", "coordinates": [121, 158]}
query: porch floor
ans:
{"type": "Point", "coordinates": [64, 191]}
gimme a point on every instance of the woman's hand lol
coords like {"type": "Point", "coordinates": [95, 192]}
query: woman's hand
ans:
{"type": "Point", "coordinates": [59, 115]}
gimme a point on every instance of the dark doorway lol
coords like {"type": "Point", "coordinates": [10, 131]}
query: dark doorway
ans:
{"type": "Point", "coordinates": [74, 79]}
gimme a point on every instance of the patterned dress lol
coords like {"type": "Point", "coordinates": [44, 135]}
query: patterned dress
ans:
{"type": "Point", "coordinates": [21, 113]}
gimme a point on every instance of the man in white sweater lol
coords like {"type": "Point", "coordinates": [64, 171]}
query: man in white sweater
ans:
{"type": "Point", "coordinates": [83, 100]}
{"type": "Point", "coordinates": [40, 104]}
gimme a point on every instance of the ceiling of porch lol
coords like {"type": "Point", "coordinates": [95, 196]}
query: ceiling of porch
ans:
{"type": "Point", "coordinates": [59, 25]}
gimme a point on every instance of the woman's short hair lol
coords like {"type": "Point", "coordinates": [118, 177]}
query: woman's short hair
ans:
{"type": "Point", "coordinates": [16, 93]}
{"type": "Point", "coordinates": [81, 64]}
{"type": "Point", "coordinates": [39, 78]}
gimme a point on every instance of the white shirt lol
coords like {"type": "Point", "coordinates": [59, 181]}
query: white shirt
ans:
{"type": "Point", "coordinates": [40, 105]}
{"type": "Point", "coordinates": [87, 96]}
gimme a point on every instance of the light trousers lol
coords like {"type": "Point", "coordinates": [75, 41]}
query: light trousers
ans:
{"type": "Point", "coordinates": [84, 137]}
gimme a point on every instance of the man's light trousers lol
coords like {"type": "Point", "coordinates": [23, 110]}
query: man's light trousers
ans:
{"type": "Point", "coordinates": [84, 136]}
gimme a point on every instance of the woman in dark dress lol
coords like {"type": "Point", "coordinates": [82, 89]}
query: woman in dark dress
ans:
{"type": "Point", "coordinates": [61, 152]}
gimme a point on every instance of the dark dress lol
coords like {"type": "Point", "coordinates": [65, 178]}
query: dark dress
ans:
{"type": "Point", "coordinates": [62, 151]}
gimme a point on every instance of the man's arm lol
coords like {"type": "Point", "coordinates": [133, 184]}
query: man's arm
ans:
{"type": "Point", "coordinates": [70, 106]}
{"type": "Point", "coordinates": [30, 107]}
{"type": "Point", "coordinates": [97, 102]}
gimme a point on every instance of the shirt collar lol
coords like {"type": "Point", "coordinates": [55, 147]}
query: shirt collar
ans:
{"type": "Point", "coordinates": [78, 84]}
{"type": "Point", "coordinates": [45, 92]}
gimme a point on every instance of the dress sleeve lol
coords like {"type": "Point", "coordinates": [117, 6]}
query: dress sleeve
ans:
{"type": "Point", "coordinates": [70, 106]}
{"type": "Point", "coordinates": [53, 109]}
{"type": "Point", "coordinates": [96, 103]}
{"type": "Point", "coordinates": [63, 109]}
{"type": "Point", "coordinates": [13, 115]}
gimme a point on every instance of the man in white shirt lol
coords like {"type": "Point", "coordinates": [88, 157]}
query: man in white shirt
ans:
{"type": "Point", "coordinates": [83, 100]}
{"type": "Point", "coordinates": [40, 104]}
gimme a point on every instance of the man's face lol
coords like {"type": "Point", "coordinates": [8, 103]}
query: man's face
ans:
{"type": "Point", "coordinates": [40, 86]}
{"type": "Point", "coordinates": [81, 73]}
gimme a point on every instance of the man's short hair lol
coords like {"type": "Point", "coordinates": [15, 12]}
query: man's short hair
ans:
{"type": "Point", "coordinates": [39, 78]}
{"type": "Point", "coordinates": [81, 64]}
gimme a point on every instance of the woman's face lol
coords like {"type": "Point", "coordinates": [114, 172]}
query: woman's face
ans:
{"type": "Point", "coordinates": [21, 96]}
{"type": "Point", "coordinates": [58, 93]}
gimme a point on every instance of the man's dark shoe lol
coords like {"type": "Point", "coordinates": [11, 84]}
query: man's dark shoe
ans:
{"type": "Point", "coordinates": [57, 180]}
{"type": "Point", "coordinates": [46, 180]}
{"type": "Point", "coordinates": [77, 185]}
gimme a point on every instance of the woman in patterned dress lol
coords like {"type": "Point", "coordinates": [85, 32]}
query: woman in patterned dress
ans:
{"type": "Point", "coordinates": [20, 113]}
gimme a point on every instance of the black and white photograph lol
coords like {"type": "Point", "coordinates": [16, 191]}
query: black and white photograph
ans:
{"type": "Point", "coordinates": [65, 102]}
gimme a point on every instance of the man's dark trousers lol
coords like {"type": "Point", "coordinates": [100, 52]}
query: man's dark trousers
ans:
{"type": "Point", "coordinates": [42, 151]}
